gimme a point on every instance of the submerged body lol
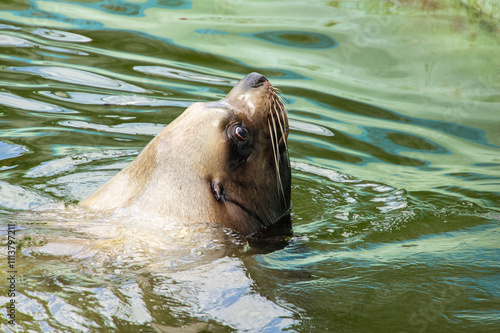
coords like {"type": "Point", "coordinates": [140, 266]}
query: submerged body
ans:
{"type": "Point", "coordinates": [222, 162]}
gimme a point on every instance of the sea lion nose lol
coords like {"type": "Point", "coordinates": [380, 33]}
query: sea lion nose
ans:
{"type": "Point", "coordinates": [255, 80]}
{"type": "Point", "coordinates": [246, 85]}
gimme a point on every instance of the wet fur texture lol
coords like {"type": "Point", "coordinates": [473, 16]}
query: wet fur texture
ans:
{"type": "Point", "coordinates": [196, 170]}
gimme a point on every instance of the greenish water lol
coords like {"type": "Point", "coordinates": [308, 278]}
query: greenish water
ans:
{"type": "Point", "coordinates": [394, 110]}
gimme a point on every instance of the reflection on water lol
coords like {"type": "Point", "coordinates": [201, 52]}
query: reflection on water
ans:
{"type": "Point", "coordinates": [79, 77]}
{"type": "Point", "coordinates": [394, 143]}
{"type": "Point", "coordinates": [298, 39]}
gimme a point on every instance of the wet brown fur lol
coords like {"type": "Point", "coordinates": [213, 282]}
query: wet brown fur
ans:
{"type": "Point", "coordinates": [180, 172]}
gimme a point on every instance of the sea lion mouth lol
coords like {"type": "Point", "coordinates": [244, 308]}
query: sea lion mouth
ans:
{"type": "Point", "coordinates": [262, 223]}
{"type": "Point", "coordinates": [249, 212]}
{"type": "Point", "coordinates": [221, 196]}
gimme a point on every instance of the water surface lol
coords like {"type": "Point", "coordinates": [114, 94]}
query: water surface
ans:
{"type": "Point", "coordinates": [395, 137]}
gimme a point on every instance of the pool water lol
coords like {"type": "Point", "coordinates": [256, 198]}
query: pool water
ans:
{"type": "Point", "coordinates": [394, 110]}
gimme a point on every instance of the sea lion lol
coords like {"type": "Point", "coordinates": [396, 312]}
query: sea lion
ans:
{"type": "Point", "coordinates": [222, 162]}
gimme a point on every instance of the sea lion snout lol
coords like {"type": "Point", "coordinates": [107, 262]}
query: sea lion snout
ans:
{"type": "Point", "coordinates": [254, 80]}
{"type": "Point", "coordinates": [250, 84]}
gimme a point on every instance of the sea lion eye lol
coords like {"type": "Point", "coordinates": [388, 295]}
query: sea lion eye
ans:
{"type": "Point", "coordinates": [240, 141]}
{"type": "Point", "coordinates": [241, 133]}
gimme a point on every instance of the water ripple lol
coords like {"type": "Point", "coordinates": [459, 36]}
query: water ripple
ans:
{"type": "Point", "coordinates": [79, 77]}
{"type": "Point", "coordinates": [14, 41]}
{"type": "Point", "coordinates": [15, 197]}
{"type": "Point", "coordinates": [9, 151]}
{"type": "Point", "coordinates": [59, 35]}
{"type": "Point", "coordinates": [101, 99]}
{"type": "Point", "coordinates": [8, 40]}
{"type": "Point", "coordinates": [309, 128]}
{"type": "Point", "coordinates": [184, 75]}
{"type": "Point", "coordinates": [14, 101]}
{"type": "Point", "coordinates": [127, 128]}
{"type": "Point", "coordinates": [298, 39]}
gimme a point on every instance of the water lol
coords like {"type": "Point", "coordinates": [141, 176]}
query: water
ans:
{"type": "Point", "coordinates": [395, 136]}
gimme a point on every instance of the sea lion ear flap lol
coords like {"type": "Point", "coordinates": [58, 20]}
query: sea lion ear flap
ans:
{"type": "Point", "coordinates": [217, 190]}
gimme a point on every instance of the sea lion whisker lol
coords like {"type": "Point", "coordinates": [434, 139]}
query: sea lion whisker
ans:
{"type": "Point", "coordinates": [280, 111]}
{"type": "Point", "coordinates": [279, 122]}
{"type": "Point", "coordinates": [276, 156]}
{"type": "Point", "coordinates": [276, 162]}
{"type": "Point", "coordinates": [278, 107]}
{"type": "Point", "coordinates": [273, 139]}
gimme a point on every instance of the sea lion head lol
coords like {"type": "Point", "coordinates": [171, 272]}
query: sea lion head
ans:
{"type": "Point", "coordinates": [223, 162]}
{"type": "Point", "coordinates": [244, 153]}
